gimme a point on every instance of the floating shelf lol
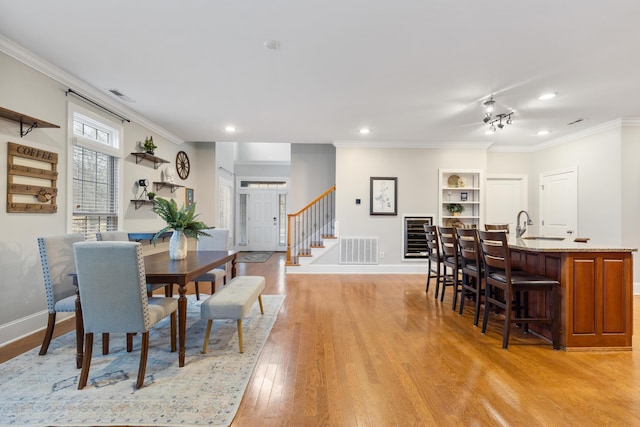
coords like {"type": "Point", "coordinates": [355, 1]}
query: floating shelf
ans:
{"type": "Point", "coordinates": [160, 185]}
{"type": "Point", "coordinates": [148, 236]}
{"type": "Point", "coordinates": [32, 122]}
{"type": "Point", "coordinates": [141, 202]}
{"type": "Point", "coordinates": [157, 161]}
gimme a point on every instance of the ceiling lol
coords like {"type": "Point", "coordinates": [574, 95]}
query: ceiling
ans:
{"type": "Point", "coordinates": [413, 71]}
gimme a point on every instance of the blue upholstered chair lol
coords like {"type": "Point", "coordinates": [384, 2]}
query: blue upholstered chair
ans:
{"type": "Point", "coordinates": [114, 300]}
{"type": "Point", "coordinates": [123, 236]}
{"type": "Point", "coordinates": [216, 241]}
{"type": "Point", "coordinates": [56, 258]}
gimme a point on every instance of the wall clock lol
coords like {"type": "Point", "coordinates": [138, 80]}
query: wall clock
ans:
{"type": "Point", "coordinates": [182, 164]}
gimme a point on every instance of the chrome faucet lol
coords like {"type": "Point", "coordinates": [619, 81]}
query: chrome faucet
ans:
{"type": "Point", "coordinates": [521, 230]}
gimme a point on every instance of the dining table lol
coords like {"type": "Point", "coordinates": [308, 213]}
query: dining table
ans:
{"type": "Point", "coordinates": [160, 269]}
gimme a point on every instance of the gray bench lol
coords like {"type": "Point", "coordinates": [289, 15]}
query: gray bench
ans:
{"type": "Point", "coordinates": [232, 302]}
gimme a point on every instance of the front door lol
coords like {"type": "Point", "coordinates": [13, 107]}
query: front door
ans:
{"type": "Point", "coordinates": [263, 220]}
{"type": "Point", "coordinates": [559, 203]}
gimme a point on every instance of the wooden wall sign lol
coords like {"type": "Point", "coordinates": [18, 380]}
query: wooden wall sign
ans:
{"type": "Point", "coordinates": [31, 179]}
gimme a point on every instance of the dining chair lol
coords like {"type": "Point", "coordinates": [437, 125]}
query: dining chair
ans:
{"type": "Point", "coordinates": [471, 268]}
{"type": "Point", "coordinates": [497, 227]}
{"type": "Point", "coordinates": [503, 284]}
{"type": "Point", "coordinates": [216, 241]}
{"type": "Point", "coordinates": [114, 300]}
{"type": "Point", "coordinates": [450, 260]}
{"type": "Point", "coordinates": [434, 257]}
{"type": "Point", "coordinates": [123, 236]}
{"type": "Point", "coordinates": [56, 259]}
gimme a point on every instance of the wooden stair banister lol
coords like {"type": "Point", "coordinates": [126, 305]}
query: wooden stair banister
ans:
{"type": "Point", "coordinates": [314, 221]}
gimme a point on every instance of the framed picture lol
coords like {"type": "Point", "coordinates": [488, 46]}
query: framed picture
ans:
{"type": "Point", "coordinates": [463, 196]}
{"type": "Point", "coordinates": [188, 199]}
{"type": "Point", "coordinates": [384, 193]}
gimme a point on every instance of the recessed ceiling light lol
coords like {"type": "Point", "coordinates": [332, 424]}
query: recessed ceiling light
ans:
{"type": "Point", "coordinates": [546, 96]}
{"type": "Point", "coordinates": [230, 129]}
{"type": "Point", "coordinates": [365, 131]}
{"type": "Point", "coordinates": [272, 44]}
{"type": "Point", "coordinates": [489, 131]}
{"type": "Point", "coordinates": [543, 132]}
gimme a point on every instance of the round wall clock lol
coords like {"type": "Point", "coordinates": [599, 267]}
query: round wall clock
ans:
{"type": "Point", "coordinates": [182, 164]}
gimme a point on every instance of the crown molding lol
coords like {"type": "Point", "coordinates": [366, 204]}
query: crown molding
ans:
{"type": "Point", "coordinates": [412, 144]}
{"type": "Point", "coordinates": [72, 82]}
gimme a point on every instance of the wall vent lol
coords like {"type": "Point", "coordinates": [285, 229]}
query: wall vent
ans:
{"type": "Point", "coordinates": [358, 250]}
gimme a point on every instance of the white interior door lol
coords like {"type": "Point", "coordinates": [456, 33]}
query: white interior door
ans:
{"type": "Point", "coordinates": [263, 220]}
{"type": "Point", "coordinates": [559, 203]}
{"type": "Point", "coordinates": [506, 196]}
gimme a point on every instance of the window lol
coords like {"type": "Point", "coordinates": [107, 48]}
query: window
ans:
{"type": "Point", "coordinates": [95, 177]}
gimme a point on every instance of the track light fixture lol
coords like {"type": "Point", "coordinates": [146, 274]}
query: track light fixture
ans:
{"type": "Point", "coordinates": [499, 120]}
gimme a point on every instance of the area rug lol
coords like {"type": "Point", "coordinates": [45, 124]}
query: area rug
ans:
{"type": "Point", "coordinates": [254, 256]}
{"type": "Point", "coordinates": [42, 390]}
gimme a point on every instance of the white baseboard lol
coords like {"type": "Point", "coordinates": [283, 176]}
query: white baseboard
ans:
{"type": "Point", "coordinates": [358, 269]}
{"type": "Point", "coordinates": [27, 325]}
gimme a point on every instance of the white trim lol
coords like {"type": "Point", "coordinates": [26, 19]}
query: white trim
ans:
{"type": "Point", "coordinates": [20, 328]}
{"type": "Point", "coordinates": [409, 268]}
{"type": "Point", "coordinates": [26, 57]}
{"type": "Point", "coordinates": [412, 144]}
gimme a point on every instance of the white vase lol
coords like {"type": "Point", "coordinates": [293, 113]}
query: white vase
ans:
{"type": "Point", "coordinates": [178, 245]}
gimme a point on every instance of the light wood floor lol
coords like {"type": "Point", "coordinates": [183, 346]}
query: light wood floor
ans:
{"type": "Point", "coordinates": [375, 350]}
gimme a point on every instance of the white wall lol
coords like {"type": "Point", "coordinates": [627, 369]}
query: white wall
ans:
{"type": "Point", "coordinates": [313, 171]}
{"type": "Point", "coordinates": [23, 304]}
{"type": "Point", "coordinates": [417, 173]}
{"type": "Point", "coordinates": [598, 158]}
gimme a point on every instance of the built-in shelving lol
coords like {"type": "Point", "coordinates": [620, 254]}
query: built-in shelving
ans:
{"type": "Point", "coordinates": [464, 187]}
{"type": "Point", "coordinates": [25, 120]}
{"type": "Point", "coordinates": [157, 161]}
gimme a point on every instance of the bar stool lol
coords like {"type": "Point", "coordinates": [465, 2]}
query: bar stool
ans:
{"type": "Point", "coordinates": [499, 276]}
{"type": "Point", "coordinates": [434, 257]}
{"type": "Point", "coordinates": [471, 267]}
{"type": "Point", "coordinates": [449, 245]}
{"type": "Point", "coordinates": [497, 227]}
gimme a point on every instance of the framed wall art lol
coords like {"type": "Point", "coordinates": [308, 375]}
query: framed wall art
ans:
{"type": "Point", "coordinates": [188, 197]}
{"type": "Point", "coordinates": [384, 193]}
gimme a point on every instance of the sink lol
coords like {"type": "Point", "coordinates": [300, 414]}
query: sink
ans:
{"type": "Point", "coordinates": [542, 238]}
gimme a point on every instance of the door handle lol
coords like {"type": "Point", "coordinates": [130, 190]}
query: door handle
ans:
{"type": "Point", "coordinates": [569, 231]}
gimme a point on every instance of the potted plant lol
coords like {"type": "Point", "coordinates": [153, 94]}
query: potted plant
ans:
{"type": "Point", "coordinates": [455, 209]}
{"type": "Point", "coordinates": [149, 147]}
{"type": "Point", "coordinates": [151, 195]}
{"type": "Point", "coordinates": [184, 223]}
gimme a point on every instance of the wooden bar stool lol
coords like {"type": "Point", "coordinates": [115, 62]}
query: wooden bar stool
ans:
{"type": "Point", "coordinates": [499, 276]}
{"type": "Point", "coordinates": [471, 267]}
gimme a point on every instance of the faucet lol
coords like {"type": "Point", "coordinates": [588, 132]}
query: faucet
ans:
{"type": "Point", "coordinates": [521, 230]}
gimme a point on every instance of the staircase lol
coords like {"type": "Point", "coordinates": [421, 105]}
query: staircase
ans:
{"type": "Point", "coordinates": [310, 226]}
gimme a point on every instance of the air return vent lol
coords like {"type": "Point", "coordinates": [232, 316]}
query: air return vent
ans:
{"type": "Point", "coordinates": [358, 250]}
{"type": "Point", "coordinates": [120, 95]}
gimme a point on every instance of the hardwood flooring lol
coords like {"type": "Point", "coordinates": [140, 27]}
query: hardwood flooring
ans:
{"type": "Point", "coordinates": [375, 350]}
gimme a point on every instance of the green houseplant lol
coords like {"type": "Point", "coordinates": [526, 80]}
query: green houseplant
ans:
{"type": "Point", "coordinates": [151, 195]}
{"type": "Point", "coordinates": [455, 209]}
{"type": "Point", "coordinates": [148, 146]}
{"type": "Point", "coordinates": [184, 223]}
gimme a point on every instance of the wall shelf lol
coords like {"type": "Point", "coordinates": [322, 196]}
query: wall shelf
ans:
{"type": "Point", "coordinates": [157, 161]}
{"type": "Point", "coordinates": [161, 185]}
{"type": "Point", "coordinates": [141, 202]}
{"type": "Point", "coordinates": [32, 122]}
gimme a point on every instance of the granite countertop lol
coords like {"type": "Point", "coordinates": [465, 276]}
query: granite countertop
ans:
{"type": "Point", "coordinates": [565, 245]}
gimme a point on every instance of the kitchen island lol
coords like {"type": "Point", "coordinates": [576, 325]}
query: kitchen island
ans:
{"type": "Point", "coordinates": [596, 290]}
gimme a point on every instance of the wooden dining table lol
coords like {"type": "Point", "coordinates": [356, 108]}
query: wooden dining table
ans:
{"type": "Point", "coordinates": [159, 269]}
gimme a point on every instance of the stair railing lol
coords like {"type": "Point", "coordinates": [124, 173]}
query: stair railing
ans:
{"type": "Point", "coordinates": [308, 227]}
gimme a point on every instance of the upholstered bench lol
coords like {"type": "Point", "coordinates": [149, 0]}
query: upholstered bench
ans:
{"type": "Point", "coordinates": [232, 302]}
